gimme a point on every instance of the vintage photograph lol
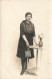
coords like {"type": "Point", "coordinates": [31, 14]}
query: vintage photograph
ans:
{"type": "Point", "coordinates": [26, 39]}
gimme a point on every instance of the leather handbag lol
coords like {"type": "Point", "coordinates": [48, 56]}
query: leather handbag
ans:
{"type": "Point", "coordinates": [28, 53]}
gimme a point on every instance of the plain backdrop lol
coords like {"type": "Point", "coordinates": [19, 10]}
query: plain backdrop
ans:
{"type": "Point", "coordinates": [12, 14]}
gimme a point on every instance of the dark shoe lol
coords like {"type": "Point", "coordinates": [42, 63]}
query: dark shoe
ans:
{"type": "Point", "coordinates": [21, 73]}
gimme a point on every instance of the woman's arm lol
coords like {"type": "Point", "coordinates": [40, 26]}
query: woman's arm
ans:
{"type": "Point", "coordinates": [35, 40]}
{"type": "Point", "coordinates": [25, 39]}
{"type": "Point", "coordinates": [22, 34]}
{"type": "Point", "coordinates": [34, 35]}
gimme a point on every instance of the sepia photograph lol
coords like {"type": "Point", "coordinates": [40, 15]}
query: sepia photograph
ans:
{"type": "Point", "coordinates": [26, 39]}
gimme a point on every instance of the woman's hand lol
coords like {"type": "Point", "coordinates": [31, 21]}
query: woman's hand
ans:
{"type": "Point", "coordinates": [27, 44]}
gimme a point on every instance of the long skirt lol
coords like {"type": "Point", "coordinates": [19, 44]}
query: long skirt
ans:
{"type": "Point", "coordinates": [22, 46]}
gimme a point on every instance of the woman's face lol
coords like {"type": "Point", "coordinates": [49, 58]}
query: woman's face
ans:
{"type": "Point", "coordinates": [28, 17]}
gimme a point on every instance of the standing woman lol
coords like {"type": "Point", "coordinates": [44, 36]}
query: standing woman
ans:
{"type": "Point", "coordinates": [27, 33]}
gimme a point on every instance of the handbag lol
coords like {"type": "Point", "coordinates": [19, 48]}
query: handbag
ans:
{"type": "Point", "coordinates": [28, 53]}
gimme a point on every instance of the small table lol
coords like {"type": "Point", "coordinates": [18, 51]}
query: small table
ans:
{"type": "Point", "coordinates": [37, 48]}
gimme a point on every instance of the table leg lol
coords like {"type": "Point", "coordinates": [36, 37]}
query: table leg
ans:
{"type": "Point", "coordinates": [36, 57]}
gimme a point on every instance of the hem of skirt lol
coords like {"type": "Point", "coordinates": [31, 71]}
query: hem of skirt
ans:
{"type": "Point", "coordinates": [25, 57]}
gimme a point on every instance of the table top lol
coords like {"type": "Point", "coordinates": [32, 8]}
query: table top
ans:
{"type": "Point", "coordinates": [35, 47]}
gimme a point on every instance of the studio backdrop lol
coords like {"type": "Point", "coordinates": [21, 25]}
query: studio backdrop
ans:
{"type": "Point", "coordinates": [12, 14]}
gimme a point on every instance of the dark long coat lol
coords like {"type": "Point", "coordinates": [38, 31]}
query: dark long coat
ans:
{"type": "Point", "coordinates": [28, 30]}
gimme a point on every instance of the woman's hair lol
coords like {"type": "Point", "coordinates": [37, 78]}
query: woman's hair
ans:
{"type": "Point", "coordinates": [28, 13]}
